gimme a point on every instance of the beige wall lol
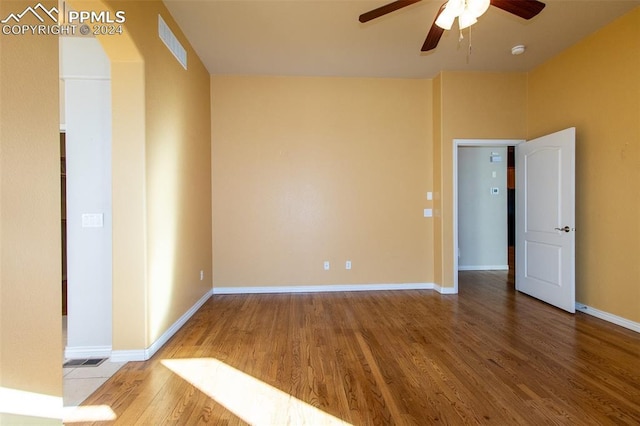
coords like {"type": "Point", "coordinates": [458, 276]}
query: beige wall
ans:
{"type": "Point", "coordinates": [162, 192]}
{"type": "Point", "coordinates": [473, 106]}
{"type": "Point", "coordinates": [314, 169]}
{"type": "Point", "coordinates": [30, 271]}
{"type": "Point", "coordinates": [161, 178]}
{"type": "Point", "coordinates": [437, 180]}
{"type": "Point", "coordinates": [595, 86]}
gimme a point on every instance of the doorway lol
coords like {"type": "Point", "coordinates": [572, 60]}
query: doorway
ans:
{"type": "Point", "coordinates": [482, 208]}
{"type": "Point", "coordinates": [503, 144]}
{"type": "Point", "coordinates": [511, 211]}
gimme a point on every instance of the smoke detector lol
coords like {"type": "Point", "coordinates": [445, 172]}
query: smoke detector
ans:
{"type": "Point", "coordinates": [518, 50]}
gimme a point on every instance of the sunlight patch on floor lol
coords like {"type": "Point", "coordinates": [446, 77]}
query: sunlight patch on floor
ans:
{"type": "Point", "coordinates": [250, 399]}
{"type": "Point", "coordinates": [88, 413]}
{"type": "Point", "coordinates": [22, 403]}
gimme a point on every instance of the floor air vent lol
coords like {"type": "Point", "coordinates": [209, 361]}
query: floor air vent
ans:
{"type": "Point", "coordinates": [87, 362]}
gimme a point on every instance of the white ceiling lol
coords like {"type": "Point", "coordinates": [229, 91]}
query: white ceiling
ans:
{"type": "Point", "coordinates": [324, 37]}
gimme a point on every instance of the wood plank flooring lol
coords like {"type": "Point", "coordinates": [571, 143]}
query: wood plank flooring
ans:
{"type": "Point", "coordinates": [486, 356]}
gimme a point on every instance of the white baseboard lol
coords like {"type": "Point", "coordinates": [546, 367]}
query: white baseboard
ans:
{"type": "Point", "coordinates": [445, 290]}
{"type": "Point", "coordinates": [622, 322]}
{"type": "Point", "coordinates": [82, 352]}
{"type": "Point", "coordinates": [130, 355]}
{"type": "Point", "coordinates": [151, 350]}
{"type": "Point", "coordinates": [483, 267]}
{"type": "Point", "coordinates": [145, 354]}
{"type": "Point", "coordinates": [323, 288]}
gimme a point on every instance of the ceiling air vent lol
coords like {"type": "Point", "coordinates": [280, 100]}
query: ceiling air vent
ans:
{"type": "Point", "coordinates": [170, 40]}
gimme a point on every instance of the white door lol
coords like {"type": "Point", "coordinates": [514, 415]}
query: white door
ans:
{"type": "Point", "coordinates": [545, 218]}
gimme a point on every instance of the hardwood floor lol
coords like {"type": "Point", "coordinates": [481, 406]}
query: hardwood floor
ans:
{"type": "Point", "coordinates": [486, 356]}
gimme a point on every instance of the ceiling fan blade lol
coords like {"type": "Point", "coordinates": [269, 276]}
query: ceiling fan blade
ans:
{"type": "Point", "coordinates": [525, 9]}
{"type": "Point", "coordinates": [383, 10]}
{"type": "Point", "coordinates": [433, 38]}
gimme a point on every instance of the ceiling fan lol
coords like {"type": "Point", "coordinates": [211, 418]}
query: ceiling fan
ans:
{"type": "Point", "coordinates": [467, 12]}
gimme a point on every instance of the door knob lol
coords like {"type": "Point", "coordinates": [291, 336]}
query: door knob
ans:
{"type": "Point", "coordinates": [565, 229]}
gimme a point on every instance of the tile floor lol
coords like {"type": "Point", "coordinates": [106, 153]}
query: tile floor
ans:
{"type": "Point", "coordinates": [80, 382]}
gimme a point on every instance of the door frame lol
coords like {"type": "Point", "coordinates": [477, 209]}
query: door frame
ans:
{"type": "Point", "coordinates": [468, 142]}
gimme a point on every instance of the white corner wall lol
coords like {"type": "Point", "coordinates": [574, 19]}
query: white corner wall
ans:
{"type": "Point", "coordinates": [85, 71]}
{"type": "Point", "coordinates": [482, 216]}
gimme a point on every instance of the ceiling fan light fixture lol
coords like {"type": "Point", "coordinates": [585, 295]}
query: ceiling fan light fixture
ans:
{"type": "Point", "coordinates": [477, 7]}
{"type": "Point", "coordinates": [456, 7]}
{"type": "Point", "coordinates": [466, 20]}
{"type": "Point", "coordinates": [445, 20]}
{"type": "Point", "coordinates": [467, 12]}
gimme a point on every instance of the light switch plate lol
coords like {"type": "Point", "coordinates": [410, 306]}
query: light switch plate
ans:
{"type": "Point", "coordinates": [429, 195]}
{"type": "Point", "coordinates": [428, 212]}
{"type": "Point", "coordinates": [92, 220]}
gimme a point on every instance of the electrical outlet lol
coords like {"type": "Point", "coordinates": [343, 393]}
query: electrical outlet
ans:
{"type": "Point", "coordinates": [347, 264]}
{"type": "Point", "coordinates": [326, 265]}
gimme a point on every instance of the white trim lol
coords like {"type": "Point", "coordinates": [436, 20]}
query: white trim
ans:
{"type": "Point", "coordinates": [445, 290]}
{"type": "Point", "coordinates": [622, 322]}
{"type": "Point", "coordinates": [126, 356]}
{"type": "Point", "coordinates": [151, 350]}
{"type": "Point", "coordinates": [483, 268]}
{"type": "Point", "coordinates": [145, 354]}
{"type": "Point", "coordinates": [323, 288]}
{"type": "Point", "coordinates": [81, 352]}
{"type": "Point", "coordinates": [86, 77]}
{"type": "Point", "coordinates": [468, 142]}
